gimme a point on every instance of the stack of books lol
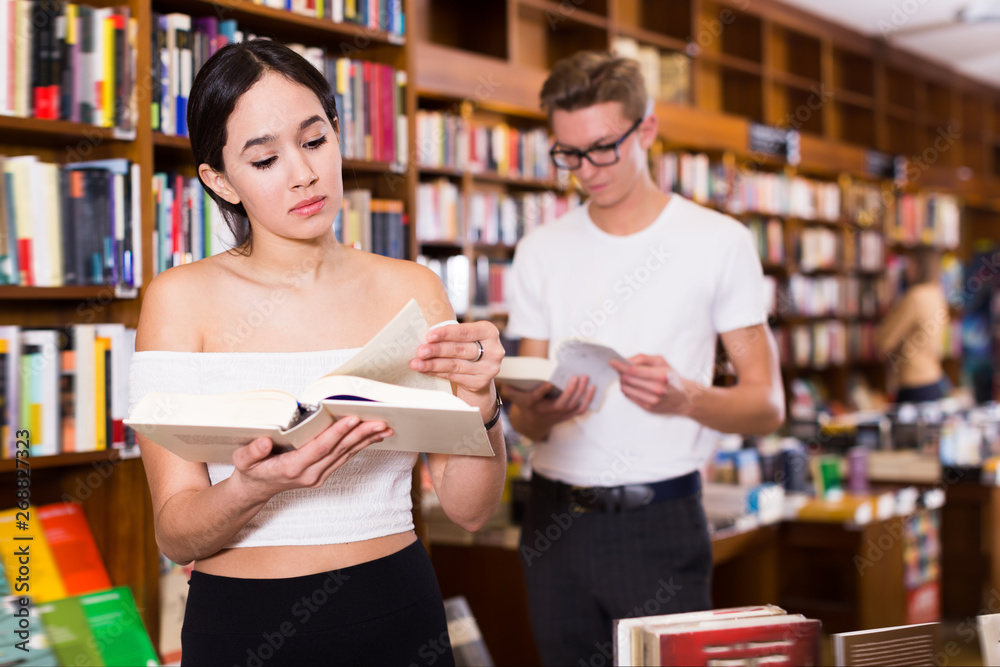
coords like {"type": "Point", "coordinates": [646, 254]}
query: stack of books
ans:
{"type": "Point", "coordinates": [72, 224]}
{"type": "Point", "coordinates": [68, 61]}
{"type": "Point", "coordinates": [68, 388]}
{"type": "Point", "coordinates": [77, 615]}
{"type": "Point", "coordinates": [762, 634]}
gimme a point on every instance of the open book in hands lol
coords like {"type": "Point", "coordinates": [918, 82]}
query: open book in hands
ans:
{"type": "Point", "coordinates": [376, 384]}
{"type": "Point", "coordinates": [572, 357]}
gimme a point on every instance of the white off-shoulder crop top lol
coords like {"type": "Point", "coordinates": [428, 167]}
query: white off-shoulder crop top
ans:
{"type": "Point", "coordinates": [367, 497]}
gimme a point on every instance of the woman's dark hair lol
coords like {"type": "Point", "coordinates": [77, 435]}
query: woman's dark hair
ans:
{"type": "Point", "coordinates": [926, 265]}
{"type": "Point", "coordinates": [220, 84]}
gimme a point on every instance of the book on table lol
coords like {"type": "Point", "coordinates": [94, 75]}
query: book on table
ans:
{"type": "Point", "coordinates": [375, 384]}
{"type": "Point", "coordinates": [572, 357]}
{"type": "Point", "coordinates": [780, 640]}
{"type": "Point", "coordinates": [989, 638]}
{"type": "Point", "coordinates": [628, 632]}
{"type": "Point", "coordinates": [918, 644]}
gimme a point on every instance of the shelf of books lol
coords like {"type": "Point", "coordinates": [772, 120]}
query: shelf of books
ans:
{"type": "Point", "coordinates": [75, 614]}
{"type": "Point", "coordinates": [98, 195]}
{"type": "Point", "coordinates": [785, 121]}
{"type": "Point", "coordinates": [485, 180]}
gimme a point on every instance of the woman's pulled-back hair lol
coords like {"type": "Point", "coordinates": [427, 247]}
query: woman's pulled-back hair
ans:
{"type": "Point", "coordinates": [592, 77]}
{"type": "Point", "coordinates": [926, 264]}
{"type": "Point", "coordinates": [221, 82]}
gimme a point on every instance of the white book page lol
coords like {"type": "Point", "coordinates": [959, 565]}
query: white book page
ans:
{"type": "Point", "coordinates": [387, 356]}
{"type": "Point", "coordinates": [577, 357]}
{"type": "Point", "coordinates": [989, 638]}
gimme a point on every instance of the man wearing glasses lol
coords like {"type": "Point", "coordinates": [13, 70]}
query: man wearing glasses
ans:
{"type": "Point", "coordinates": [614, 526]}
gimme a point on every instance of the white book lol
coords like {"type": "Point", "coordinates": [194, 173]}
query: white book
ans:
{"type": "Point", "coordinates": [175, 57]}
{"type": "Point", "coordinates": [84, 384]}
{"type": "Point", "coordinates": [989, 638]}
{"type": "Point", "coordinates": [54, 224]}
{"type": "Point", "coordinates": [626, 47]}
{"type": "Point", "coordinates": [136, 221]}
{"type": "Point", "coordinates": [376, 384]}
{"type": "Point", "coordinates": [40, 211]}
{"type": "Point", "coordinates": [649, 64]}
{"type": "Point", "coordinates": [5, 38]}
{"type": "Point", "coordinates": [40, 374]}
{"type": "Point", "coordinates": [570, 357]}
{"type": "Point", "coordinates": [627, 632]}
{"type": "Point", "coordinates": [23, 46]}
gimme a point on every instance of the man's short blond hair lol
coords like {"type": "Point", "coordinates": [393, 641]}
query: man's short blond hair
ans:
{"type": "Point", "coordinates": [592, 77]}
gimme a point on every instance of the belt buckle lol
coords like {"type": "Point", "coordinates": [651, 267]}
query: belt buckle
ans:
{"type": "Point", "coordinates": [635, 496]}
{"type": "Point", "coordinates": [583, 499]}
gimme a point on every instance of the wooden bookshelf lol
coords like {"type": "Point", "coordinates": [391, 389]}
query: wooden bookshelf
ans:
{"type": "Point", "coordinates": [113, 491]}
{"type": "Point", "coordinates": [63, 460]}
{"type": "Point", "coordinates": [751, 63]}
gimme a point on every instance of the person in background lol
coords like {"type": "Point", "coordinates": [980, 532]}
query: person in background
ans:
{"type": "Point", "coordinates": [911, 333]}
{"type": "Point", "coordinates": [615, 490]}
{"type": "Point", "coordinates": [306, 557]}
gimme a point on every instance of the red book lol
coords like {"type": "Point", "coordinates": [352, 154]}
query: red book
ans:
{"type": "Point", "coordinates": [376, 110]}
{"type": "Point", "coordinates": [785, 641]}
{"type": "Point", "coordinates": [389, 113]}
{"type": "Point", "coordinates": [73, 548]}
{"type": "Point", "coordinates": [176, 220]}
{"type": "Point", "coordinates": [40, 101]}
{"type": "Point", "coordinates": [24, 263]}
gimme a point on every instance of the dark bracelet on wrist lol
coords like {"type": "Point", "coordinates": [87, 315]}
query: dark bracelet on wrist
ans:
{"type": "Point", "coordinates": [496, 415]}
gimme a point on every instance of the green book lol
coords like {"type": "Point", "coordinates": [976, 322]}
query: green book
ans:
{"type": "Point", "coordinates": [69, 633]}
{"type": "Point", "coordinates": [117, 627]}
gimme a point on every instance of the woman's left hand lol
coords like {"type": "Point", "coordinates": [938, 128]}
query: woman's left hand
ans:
{"type": "Point", "coordinates": [466, 354]}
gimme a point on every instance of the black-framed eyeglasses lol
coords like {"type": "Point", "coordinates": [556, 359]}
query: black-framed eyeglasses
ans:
{"type": "Point", "coordinates": [603, 155]}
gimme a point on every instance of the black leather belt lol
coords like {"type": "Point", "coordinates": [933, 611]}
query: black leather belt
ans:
{"type": "Point", "coordinates": [581, 499]}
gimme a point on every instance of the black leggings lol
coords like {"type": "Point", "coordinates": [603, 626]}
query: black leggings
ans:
{"type": "Point", "coordinates": [386, 612]}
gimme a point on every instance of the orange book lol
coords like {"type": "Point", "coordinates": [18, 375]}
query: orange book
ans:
{"type": "Point", "coordinates": [73, 547]}
{"type": "Point", "coordinates": [27, 556]}
{"type": "Point", "coordinates": [102, 353]}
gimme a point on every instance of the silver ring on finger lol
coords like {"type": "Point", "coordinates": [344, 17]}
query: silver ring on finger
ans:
{"type": "Point", "coordinates": [480, 355]}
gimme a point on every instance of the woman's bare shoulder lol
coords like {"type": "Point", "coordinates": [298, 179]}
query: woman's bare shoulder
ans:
{"type": "Point", "coordinates": [401, 280]}
{"type": "Point", "coordinates": [175, 304]}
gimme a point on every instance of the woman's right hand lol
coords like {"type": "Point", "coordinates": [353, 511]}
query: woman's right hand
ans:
{"type": "Point", "coordinates": [310, 465]}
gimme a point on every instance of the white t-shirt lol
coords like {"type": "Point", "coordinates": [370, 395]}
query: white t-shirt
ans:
{"type": "Point", "coordinates": [667, 290]}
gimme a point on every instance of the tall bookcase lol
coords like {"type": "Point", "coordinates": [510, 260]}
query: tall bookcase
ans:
{"type": "Point", "coordinates": [113, 491]}
{"type": "Point", "coordinates": [855, 103]}
{"type": "Point", "coordinates": [749, 63]}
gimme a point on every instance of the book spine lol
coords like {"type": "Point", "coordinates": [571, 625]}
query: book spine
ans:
{"type": "Point", "coordinates": [185, 75]}
{"type": "Point", "coordinates": [120, 101]}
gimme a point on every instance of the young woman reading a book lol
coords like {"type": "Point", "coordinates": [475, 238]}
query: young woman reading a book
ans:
{"type": "Point", "coordinates": [308, 556]}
